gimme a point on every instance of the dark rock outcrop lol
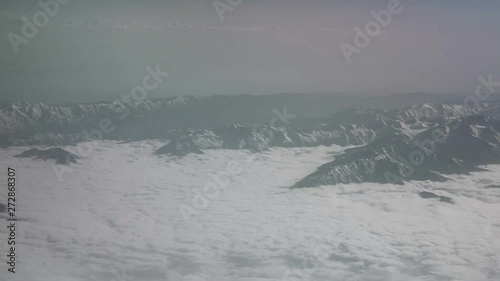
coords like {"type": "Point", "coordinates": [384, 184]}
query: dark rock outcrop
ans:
{"type": "Point", "coordinates": [60, 155]}
{"type": "Point", "coordinates": [431, 195]}
{"type": "Point", "coordinates": [454, 148]}
{"type": "Point", "coordinates": [261, 137]}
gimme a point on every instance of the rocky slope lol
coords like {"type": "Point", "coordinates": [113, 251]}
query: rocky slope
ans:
{"type": "Point", "coordinates": [390, 140]}
{"type": "Point", "coordinates": [261, 137]}
{"type": "Point", "coordinates": [26, 124]}
{"type": "Point", "coordinates": [351, 127]}
{"type": "Point", "coordinates": [455, 147]}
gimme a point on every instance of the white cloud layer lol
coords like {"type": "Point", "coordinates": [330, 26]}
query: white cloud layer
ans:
{"type": "Point", "coordinates": [116, 217]}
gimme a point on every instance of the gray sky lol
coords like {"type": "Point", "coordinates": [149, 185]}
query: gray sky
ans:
{"type": "Point", "coordinates": [95, 50]}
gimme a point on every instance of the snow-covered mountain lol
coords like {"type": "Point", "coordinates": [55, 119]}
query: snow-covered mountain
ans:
{"type": "Point", "coordinates": [25, 124]}
{"type": "Point", "coordinates": [224, 214]}
{"type": "Point", "coordinates": [261, 137]}
{"type": "Point", "coordinates": [387, 137]}
{"type": "Point", "coordinates": [351, 127]}
{"type": "Point", "coordinates": [456, 147]}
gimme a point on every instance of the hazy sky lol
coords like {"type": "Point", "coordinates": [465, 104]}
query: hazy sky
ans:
{"type": "Point", "coordinates": [95, 50]}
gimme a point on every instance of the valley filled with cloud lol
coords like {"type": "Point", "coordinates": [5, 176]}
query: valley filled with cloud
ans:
{"type": "Point", "coordinates": [123, 213]}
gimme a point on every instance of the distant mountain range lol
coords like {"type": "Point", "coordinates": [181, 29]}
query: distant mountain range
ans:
{"type": "Point", "coordinates": [26, 124]}
{"type": "Point", "coordinates": [417, 142]}
{"type": "Point", "coordinates": [261, 137]}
